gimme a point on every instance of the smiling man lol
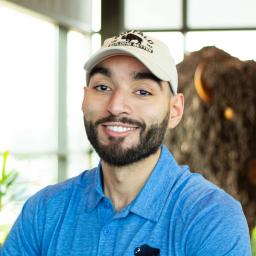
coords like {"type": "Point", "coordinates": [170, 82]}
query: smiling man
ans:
{"type": "Point", "coordinates": [138, 201]}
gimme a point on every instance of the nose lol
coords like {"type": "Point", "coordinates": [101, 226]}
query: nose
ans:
{"type": "Point", "coordinates": [118, 103]}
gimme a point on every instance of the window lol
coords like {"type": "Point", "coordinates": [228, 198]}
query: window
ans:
{"type": "Point", "coordinates": [189, 25]}
{"type": "Point", "coordinates": [219, 14]}
{"type": "Point", "coordinates": [27, 85]}
{"type": "Point", "coordinates": [30, 48]}
{"type": "Point", "coordinates": [79, 156]}
{"type": "Point", "coordinates": [145, 14]}
{"type": "Point", "coordinates": [175, 42]}
{"type": "Point", "coordinates": [28, 99]}
{"type": "Point", "coordinates": [229, 41]}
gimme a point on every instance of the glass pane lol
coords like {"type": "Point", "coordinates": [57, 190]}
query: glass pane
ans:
{"type": "Point", "coordinates": [152, 14]}
{"type": "Point", "coordinates": [175, 42]}
{"type": "Point", "coordinates": [34, 174]}
{"type": "Point", "coordinates": [37, 171]}
{"type": "Point", "coordinates": [79, 147]}
{"type": "Point", "coordinates": [219, 13]}
{"type": "Point", "coordinates": [78, 52]}
{"type": "Point", "coordinates": [27, 82]}
{"type": "Point", "coordinates": [239, 44]}
{"type": "Point", "coordinates": [95, 42]}
{"type": "Point", "coordinates": [78, 162]}
{"type": "Point", "coordinates": [96, 15]}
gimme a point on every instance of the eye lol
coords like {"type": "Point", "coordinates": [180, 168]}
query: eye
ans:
{"type": "Point", "coordinates": [143, 93]}
{"type": "Point", "coordinates": [102, 88]}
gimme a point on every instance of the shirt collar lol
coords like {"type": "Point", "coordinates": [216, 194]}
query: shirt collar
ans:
{"type": "Point", "coordinates": [95, 191]}
{"type": "Point", "coordinates": [151, 200]}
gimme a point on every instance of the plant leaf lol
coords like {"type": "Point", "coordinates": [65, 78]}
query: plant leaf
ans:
{"type": "Point", "coordinates": [5, 156]}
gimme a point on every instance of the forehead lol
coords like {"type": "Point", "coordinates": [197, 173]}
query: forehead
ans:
{"type": "Point", "coordinates": [124, 66]}
{"type": "Point", "coordinates": [120, 61]}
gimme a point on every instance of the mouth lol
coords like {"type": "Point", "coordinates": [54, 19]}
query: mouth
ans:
{"type": "Point", "coordinates": [117, 129]}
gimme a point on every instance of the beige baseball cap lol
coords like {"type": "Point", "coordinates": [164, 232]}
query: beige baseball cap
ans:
{"type": "Point", "coordinates": [153, 53]}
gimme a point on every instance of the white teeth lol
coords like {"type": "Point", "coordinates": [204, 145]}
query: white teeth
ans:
{"type": "Point", "coordinates": [120, 128]}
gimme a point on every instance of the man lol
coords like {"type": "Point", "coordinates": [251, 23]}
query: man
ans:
{"type": "Point", "coordinates": [138, 201]}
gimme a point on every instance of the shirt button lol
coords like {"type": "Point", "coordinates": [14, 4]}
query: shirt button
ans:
{"type": "Point", "coordinates": [106, 231]}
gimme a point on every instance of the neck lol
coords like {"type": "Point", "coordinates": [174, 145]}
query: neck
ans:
{"type": "Point", "coordinates": [122, 184]}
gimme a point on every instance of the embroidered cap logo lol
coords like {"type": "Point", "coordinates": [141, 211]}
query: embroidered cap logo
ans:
{"type": "Point", "coordinates": [135, 39]}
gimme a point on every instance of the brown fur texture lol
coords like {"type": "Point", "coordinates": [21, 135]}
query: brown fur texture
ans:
{"type": "Point", "coordinates": [222, 149]}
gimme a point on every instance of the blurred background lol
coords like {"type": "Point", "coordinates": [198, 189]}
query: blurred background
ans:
{"type": "Point", "coordinates": [43, 47]}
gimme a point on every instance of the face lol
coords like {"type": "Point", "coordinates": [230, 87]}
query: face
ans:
{"type": "Point", "coordinates": [126, 110]}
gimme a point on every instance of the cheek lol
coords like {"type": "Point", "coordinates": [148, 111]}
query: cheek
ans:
{"type": "Point", "coordinates": [88, 98]}
{"type": "Point", "coordinates": [92, 108]}
{"type": "Point", "coordinates": [85, 99]}
{"type": "Point", "coordinates": [154, 114]}
{"type": "Point", "coordinates": [85, 106]}
{"type": "Point", "coordinates": [88, 106]}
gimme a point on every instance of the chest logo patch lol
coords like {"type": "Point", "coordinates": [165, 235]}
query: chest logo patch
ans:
{"type": "Point", "coordinates": [146, 250]}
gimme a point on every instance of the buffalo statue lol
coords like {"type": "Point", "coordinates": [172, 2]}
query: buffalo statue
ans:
{"type": "Point", "coordinates": [217, 135]}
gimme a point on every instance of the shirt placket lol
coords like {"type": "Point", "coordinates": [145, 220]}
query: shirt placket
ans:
{"type": "Point", "coordinates": [106, 237]}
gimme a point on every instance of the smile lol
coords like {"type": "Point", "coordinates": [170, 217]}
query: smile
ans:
{"type": "Point", "coordinates": [117, 129]}
{"type": "Point", "coordinates": [120, 128]}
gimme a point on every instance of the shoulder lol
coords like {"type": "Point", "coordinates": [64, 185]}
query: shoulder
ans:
{"type": "Point", "coordinates": [44, 213]}
{"type": "Point", "coordinates": [197, 192]}
{"type": "Point", "coordinates": [211, 216]}
{"type": "Point", "coordinates": [63, 193]}
{"type": "Point", "coordinates": [192, 196]}
{"type": "Point", "coordinates": [196, 197]}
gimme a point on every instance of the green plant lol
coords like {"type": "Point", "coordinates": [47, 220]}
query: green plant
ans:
{"type": "Point", "coordinates": [7, 180]}
{"type": "Point", "coordinates": [253, 241]}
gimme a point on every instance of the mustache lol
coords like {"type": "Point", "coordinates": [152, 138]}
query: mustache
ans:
{"type": "Point", "coordinates": [123, 119]}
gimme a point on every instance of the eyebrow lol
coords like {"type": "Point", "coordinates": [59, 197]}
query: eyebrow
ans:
{"type": "Point", "coordinates": [147, 75]}
{"type": "Point", "coordinates": [137, 75]}
{"type": "Point", "coordinates": [99, 70]}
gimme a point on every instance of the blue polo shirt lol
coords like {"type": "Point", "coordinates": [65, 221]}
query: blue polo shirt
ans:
{"type": "Point", "coordinates": [176, 213]}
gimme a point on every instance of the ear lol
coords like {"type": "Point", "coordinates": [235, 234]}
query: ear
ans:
{"type": "Point", "coordinates": [176, 110]}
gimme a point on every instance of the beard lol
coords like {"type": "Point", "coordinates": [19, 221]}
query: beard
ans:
{"type": "Point", "coordinates": [150, 140]}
